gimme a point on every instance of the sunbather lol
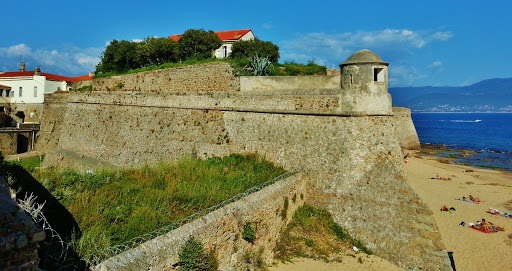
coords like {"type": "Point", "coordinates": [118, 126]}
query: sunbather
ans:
{"type": "Point", "coordinates": [474, 199]}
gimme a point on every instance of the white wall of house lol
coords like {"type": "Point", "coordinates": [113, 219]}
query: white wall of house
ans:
{"type": "Point", "coordinates": [30, 89]}
{"type": "Point", "coordinates": [225, 49]}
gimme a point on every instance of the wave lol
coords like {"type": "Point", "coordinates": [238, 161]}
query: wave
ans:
{"type": "Point", "coordinates": [465, 120]}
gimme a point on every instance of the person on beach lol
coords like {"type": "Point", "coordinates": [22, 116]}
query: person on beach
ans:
{"type": "Point", "coordinates": [473, 199]}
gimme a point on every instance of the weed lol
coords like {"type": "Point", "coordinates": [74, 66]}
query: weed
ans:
{"type": "Point", "coordinates": [309, 243]}
{"type": "Point", "coordinates": [120, 85]}
{"type": "Point", "coordinates": [84, 88]}
{"type": "Point", "coordinates": [284, 211]}
{"type": "Point", "coordinates": [193, 257]}
{"type": "Point", "coordinates": [313, 233]}
{"type": "Point", "coordinates": [249, 232]}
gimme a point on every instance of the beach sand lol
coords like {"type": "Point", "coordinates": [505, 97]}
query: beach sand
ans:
{"type": "Point", "coordinates": [472, 250]}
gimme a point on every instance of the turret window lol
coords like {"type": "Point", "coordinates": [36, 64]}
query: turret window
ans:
{"type": "Point", "coordinates": [21, 91]}
{"type": "Point", "coordinates": [378, 74]}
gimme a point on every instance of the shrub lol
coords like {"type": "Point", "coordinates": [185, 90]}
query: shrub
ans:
{"type": "Point", "coordinates": [198, 44]}
{"type": "Point", "coordinates": [249, 232]}
{"type": "Point", "coordinates": [119, 56]}
{"type": "Point", "coordinates": [250, 48]}
{"type": "Point", "coordinates": [193, 257]}
{"type": "Point", "coordinates": [157, 51]}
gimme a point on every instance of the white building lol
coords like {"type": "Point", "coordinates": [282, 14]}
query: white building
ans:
{"type": "Point", "coordinates": [25, 90]}
{"type": "Point", "coordinates": [227, 38]}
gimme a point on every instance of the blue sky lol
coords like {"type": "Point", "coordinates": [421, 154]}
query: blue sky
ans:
{"type": "Point", "coordinates": [437, 43]}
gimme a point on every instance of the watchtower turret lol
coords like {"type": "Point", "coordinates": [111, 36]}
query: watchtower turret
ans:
{"type": "Point", "coordinates": [364, 84]}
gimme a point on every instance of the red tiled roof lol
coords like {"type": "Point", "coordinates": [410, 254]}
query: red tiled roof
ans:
{"type": "Point", "coordinates": [232, 34]}
{"type": "Point", "coordinates": [2, 86]}
{"type": "Point", "coordinates": [49, 76]}
{"type": "Point", "coordinates": [223, 35]}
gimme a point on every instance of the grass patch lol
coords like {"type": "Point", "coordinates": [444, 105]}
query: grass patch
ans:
{"type": "Point", "coordinates": [296, 69]}
{"type": "Point", "coordinates": [29, 164]}
{"type": "Point", "coordinates": [84, 88]}
{"type": "Point", "coordinates": [112, 207]}
{"type": "Point", "coordinates": [313, 233]}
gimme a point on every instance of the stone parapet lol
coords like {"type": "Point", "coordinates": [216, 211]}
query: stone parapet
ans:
{"type": "Point", "coordinates": [279, 83]}
{"type": "Point", "coordinates": [216, 76]}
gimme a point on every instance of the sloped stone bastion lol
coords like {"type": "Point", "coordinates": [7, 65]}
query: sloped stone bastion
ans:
{"type": "Point", "coordinates": [343, 138]}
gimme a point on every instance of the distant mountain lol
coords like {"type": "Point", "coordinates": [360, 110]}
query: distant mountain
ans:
{"type": "Point", "coordinates": [493, 95]}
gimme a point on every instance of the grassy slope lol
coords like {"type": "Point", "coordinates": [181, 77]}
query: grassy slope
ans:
{"type": "Point", "coordinates": [112, 207]}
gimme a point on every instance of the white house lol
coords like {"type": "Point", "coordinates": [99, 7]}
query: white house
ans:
{"type": "Point", "coordinates": [227, 38]}
{"type": "Point", "coordinates": [25, 90]}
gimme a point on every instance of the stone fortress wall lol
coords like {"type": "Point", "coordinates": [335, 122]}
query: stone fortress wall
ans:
{"type": "Point", "coordinates": [343, 140]}
{"type": "Point", "coordinates": [405, 131]}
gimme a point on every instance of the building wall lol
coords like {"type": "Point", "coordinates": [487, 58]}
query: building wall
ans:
{"type": "Point", "coordinates": [221, 231]}
{"type": "Point", "coordinates": [32, 112]}
{"type": "Point", "coordinates": [354, 162]}
{"type": "Point", "coordinates": [219, 53]}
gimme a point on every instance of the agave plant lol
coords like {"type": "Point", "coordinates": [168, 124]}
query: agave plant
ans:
{"type": "Point", "coordinates": [260, 66]}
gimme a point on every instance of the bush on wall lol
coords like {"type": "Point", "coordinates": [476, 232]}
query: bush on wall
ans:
{"type": "Point", "coordinates": [193, 257]}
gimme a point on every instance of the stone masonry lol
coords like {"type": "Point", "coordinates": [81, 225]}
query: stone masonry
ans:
{"type": "Point", "coordinates": [19, 236]}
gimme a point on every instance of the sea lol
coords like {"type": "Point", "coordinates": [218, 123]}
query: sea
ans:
{"type": "Point", "coordinates": [490, 134]}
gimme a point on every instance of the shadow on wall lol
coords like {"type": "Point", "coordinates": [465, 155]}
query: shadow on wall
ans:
{"type": "Point", "coordinates": [57, 215]}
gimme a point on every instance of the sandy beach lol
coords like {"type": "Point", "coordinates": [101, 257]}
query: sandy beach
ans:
{"type": "Point", "coordinates": [472, 250]}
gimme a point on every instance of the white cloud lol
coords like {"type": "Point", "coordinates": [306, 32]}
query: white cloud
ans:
{"type": "Point", "coordinates": [435, 65]}
{"type": "Point", "coordinates": [15, 50]}
{"type": "Point", "coordinates": [267, 25]}
{"type": "Point", "coordinates": [404, 75]}
{"type": "Point", "coordinates": [67, 61]}
{"type": "Point", "coordinates": [393, 45]}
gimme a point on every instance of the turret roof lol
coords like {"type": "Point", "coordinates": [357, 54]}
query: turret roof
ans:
{"type": "Point", "coordinates": [364, 56]}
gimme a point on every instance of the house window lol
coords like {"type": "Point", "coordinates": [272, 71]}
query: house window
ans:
{"type": "Point", "coordinates": [21, 91]}
{"type": "Point", "coordinates": [378, 74]}
{"type": "Point", "coordinates": [35, 91]}
{"type": "Point", "coordinates": [1, 93]}
{"type": "Point", "coordinates": [11, 93]}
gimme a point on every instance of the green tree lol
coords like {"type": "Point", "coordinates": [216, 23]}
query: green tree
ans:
{"type": "Point", "coordinates": [119, 56]}
{"type": "Point", "coordinates": [198, 44]}
{"type": "Point", "coordinates": [157, 51]}
{"type": "Point", "coordinates": [250, 48]}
